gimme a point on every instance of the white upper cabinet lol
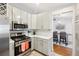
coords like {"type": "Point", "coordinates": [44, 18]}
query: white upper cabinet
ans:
{"type": "Point", "coordinates": [47, 18]}
{"type": "Point", "coordinates": [29, 21]}
{"type": "Point", "coordinates": [16, 15]}
{"type": "Point", "coordinates": [44, 21]}
{"type": "Point", "coordinates": [20, 16]}
{"type": "Point", "coordinates": [9, 12]}
{"type": "Point", "coordinates": [39, 21]}
{"type": "Point", "coordinates": [24, 17]}
{"type": "Point", "coordinates": [33, 20]}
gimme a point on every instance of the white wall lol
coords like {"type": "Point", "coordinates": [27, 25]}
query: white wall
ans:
{"type": "Point", "coordinates": [67, 23]}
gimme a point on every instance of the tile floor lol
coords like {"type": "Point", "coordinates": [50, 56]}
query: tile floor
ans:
{"type": "Point", "coordinates": [35, 53]}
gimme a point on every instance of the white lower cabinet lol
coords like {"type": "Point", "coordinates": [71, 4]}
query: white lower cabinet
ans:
{"type": "Point", "coordinates": [45, 47]}
{"type": "Point", "coordinates": [11, 49]}
{"type": "Point", "coordinates": [42, 45]}
{"type": "Point", "coordinates": [32, 44]}
{"type": "Point", "coordinates": [36, 43]}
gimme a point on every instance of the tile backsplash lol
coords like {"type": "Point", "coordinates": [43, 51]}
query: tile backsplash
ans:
{"type": "Point", "coordinates": [44, 32]}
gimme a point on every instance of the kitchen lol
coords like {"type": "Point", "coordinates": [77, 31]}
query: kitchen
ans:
{"type": "Point", "coordinates": [45, 29]}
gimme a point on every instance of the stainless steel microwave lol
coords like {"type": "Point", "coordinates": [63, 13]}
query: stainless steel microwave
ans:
{"type": "Point", "coordinates": [17, 26]}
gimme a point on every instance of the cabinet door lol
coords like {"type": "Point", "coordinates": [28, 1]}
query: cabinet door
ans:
{"type": "Point", "coordinates": [11, 49]}
{"type": "Point", "coordinates": [16, 15]}
{"type": "Point", "coordinates": [32, 44]}
{"type": "Point", "coordinates": [36, 43]}
{"type": "Point", "coordinates": [47, 20]}
{"type": "Point", "coordinates": [44, 21]}
{"type": "Point", "coordinates": [33, 21]}
{"type": "Point", "coordinates": [45, 47]}
{"type": "Point", "coordinates": [29, 21]}
{"type": "Point", "coordinates": [26, 20]}
{"type": "Point", "coordinates": [50, 46]}
{"type": "Point", "coordinates": [39, 22]}
{"type": "Point", "coordinates": [40, 44]}
{"type": "Point", "coordinates": [9, 12]}
{"type": "Point", "coordinates": [24, 17]}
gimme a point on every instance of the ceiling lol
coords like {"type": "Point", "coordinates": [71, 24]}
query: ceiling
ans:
{"type": "Point", "coordinates": [42, 7]}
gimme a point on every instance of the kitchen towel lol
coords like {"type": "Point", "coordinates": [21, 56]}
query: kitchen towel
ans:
{"type": "Point", "coordinates": [23, 46]}
{"type": "Point", "coordinates": [27, 45]}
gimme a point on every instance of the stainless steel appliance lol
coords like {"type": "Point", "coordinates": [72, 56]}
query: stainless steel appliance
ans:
{"type": "Point", "coordinates": [17, 26]}
{"type": "Point", "coordinates": [4, 36]}
{"type": "Point", "coordinates": [21, 42]}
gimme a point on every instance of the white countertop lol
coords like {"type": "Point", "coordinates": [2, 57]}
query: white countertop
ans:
{"type": "Point", "coordinates": [39, 36]}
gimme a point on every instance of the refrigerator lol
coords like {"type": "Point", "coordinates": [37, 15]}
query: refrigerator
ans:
{"type": "Point", "coordinates": [4, 36]}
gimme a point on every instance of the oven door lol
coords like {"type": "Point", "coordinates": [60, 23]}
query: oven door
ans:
{"type": "Point", "coordinates": [17, 48]}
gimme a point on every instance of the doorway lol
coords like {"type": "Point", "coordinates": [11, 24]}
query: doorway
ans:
{"type": "Point", "coordinates": [62, 33]}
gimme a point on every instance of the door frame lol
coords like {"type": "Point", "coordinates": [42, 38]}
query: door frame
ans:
{"type": "Point", "coordinates": [65, 10]}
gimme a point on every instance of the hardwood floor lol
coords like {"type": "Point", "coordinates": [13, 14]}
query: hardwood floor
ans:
{"type": "Point", "coordinates": [62, 50]}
